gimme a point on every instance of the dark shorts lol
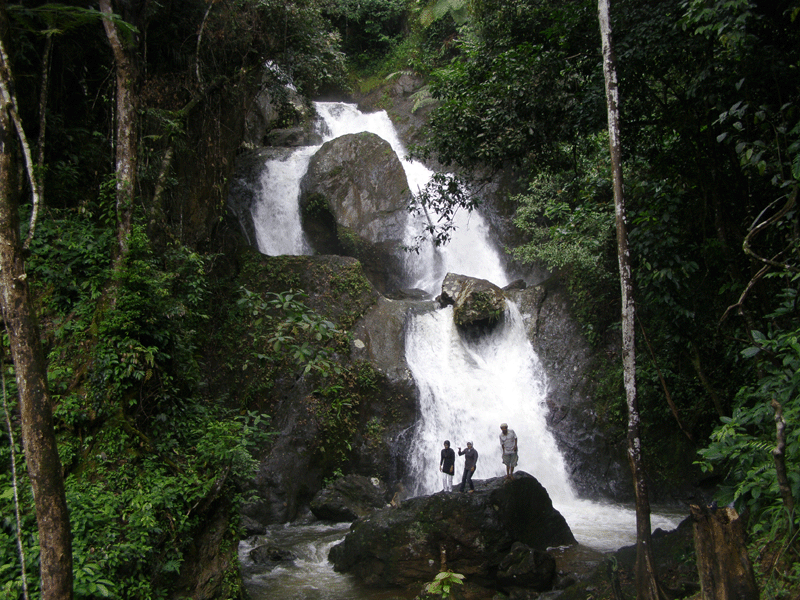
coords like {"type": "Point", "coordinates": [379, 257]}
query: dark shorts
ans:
{"type": "Point", "coordinates": [510, 460]}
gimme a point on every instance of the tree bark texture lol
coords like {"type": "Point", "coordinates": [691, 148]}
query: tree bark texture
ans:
{"type": "Point", "coordinates": [647, 585]}
{"type": "Point", "coordinates": [779, 456]}
{"type": "Point", "coordinates": [722, 561]}
{"type": "Point", "coordinates": [127, 126]}
{"type": "Point", "coordinates": [41, 452]}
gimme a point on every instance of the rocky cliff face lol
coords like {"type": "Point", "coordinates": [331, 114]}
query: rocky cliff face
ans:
{"type": "Point", "coordinates": [596, 462]}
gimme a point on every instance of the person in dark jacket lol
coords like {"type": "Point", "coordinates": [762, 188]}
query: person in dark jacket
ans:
{"type": "Point", "coordinates": [470, 460]}
{"type": "Point", "coordinates": [447, 465]}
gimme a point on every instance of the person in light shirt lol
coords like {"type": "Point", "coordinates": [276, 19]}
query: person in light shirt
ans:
{"type": "Point", "coordinates": [508, 448]}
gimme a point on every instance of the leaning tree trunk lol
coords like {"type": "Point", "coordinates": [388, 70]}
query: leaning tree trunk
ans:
{"type": "Point", "coordinates": [647, 585]}
{"type": "Point", "coordinates": [41, 452]}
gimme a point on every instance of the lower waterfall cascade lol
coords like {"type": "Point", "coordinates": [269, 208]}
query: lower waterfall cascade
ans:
{"type": "Point", "coordinates": [468, 385]}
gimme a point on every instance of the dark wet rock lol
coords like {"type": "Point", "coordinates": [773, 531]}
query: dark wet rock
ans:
{"type": "Point", "coordinates": [354, 200]}
{"type": "Point", "coordinates": [349, 498]}
{"type": "Point", "coordinates": [518, 284]}
{"type": "Point", "coordinates": [268, 110]}
{"type": "Point", "coordinates": [411, 294]}
{"type": "Point", "coordinates": [595, 457]}
{"type": "Point", "coordinates": [379, 337]}
{"type": "Point", "coordinates": [674, 555]}
{"type": "Point", "coordinates": [475, 532]}
{"type": "Point", "coordinates": [293, 137]}
{"type": "Point", "coordinates": [265, 555]}
{"type": "Point", "coordinates": [211, 565]}
{"type": "Point", "coordinates": [528, 568]}
{"type": "Point", "coordinates": [475, 301]}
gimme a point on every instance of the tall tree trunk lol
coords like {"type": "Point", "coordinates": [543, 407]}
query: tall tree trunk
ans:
{"type": "Point", "coordinates": [647, 585]}
{"type": "Point", "coordinates": [41, 452]}
{"type": "Point", "coordinates": [127, 126]}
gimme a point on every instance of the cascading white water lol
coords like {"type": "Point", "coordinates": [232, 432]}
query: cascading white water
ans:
{"type": "Point", "coordinates": [468, 386]}
{"type": "Point", "coordinates": [276, 216]}
{"type": "Point", "coordinates": [309, 576]}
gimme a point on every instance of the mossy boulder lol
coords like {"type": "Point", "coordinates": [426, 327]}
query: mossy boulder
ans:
{"type": "Point", "coordinates": [354, 200]}
{"type": "Point", "coordinates": [475, 301]}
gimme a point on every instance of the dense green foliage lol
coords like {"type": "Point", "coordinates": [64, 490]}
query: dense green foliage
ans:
{"type": "Point", "coordinates": [711, 135]}
{"type": "Point", "coordinates": [369, 29]}
{"type": "Point", "coordinates": [145, 452]}
{"type": "Point", "coordinates": [150, 453]}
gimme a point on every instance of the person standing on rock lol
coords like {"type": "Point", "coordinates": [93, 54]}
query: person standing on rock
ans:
{"type": "Point", "coordinates": [470, 460]}
{"type": "Point", "coordinates": [447, 465]}
{"type": "Point", "coordinates": [508, 448]}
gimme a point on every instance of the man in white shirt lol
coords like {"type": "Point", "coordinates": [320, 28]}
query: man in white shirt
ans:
{"type": "Point", "coordinates": [508, 447]}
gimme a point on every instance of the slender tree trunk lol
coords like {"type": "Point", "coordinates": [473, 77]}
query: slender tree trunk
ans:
{"type": "Point", "coordinates": [127, 127]}
{"type": "Point", "coordinates": [39, 171]}
{"type": "Point", "coordinates": [647, 585]}
{"type": "Point", "coordinates": [41, 452]}
{"type": "Point", "coordinates": [779, 456]}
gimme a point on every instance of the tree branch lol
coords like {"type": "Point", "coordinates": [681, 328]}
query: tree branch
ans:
{"type": "Point", "coordinates": [756, 229]}
{"type": "Point", "coordinates": [9, 100]}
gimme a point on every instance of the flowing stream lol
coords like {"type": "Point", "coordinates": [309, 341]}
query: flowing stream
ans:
{"type": "Point", "coordinates": [468, 386]}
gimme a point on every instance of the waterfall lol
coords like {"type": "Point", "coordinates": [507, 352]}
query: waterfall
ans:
{"type": "Point", "coordinates": [277, 221]}
{"type": "Point", "coordinates": [276, 216]}
{"type": "Point", "coordinates": [468, 384]}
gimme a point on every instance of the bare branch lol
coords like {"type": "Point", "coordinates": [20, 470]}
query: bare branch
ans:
{"type": "Point", "coordinates": [9, 101]}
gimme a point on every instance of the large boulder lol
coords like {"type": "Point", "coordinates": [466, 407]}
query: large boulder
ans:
{"type": "Point", "coordinates": [349, 498]}
{"type": "Point", "coordinates": [474, 532]}
{"type": "Point", "coordinates": [475, 301]}
{"type": "Point", "coordinates": [354, 200]}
